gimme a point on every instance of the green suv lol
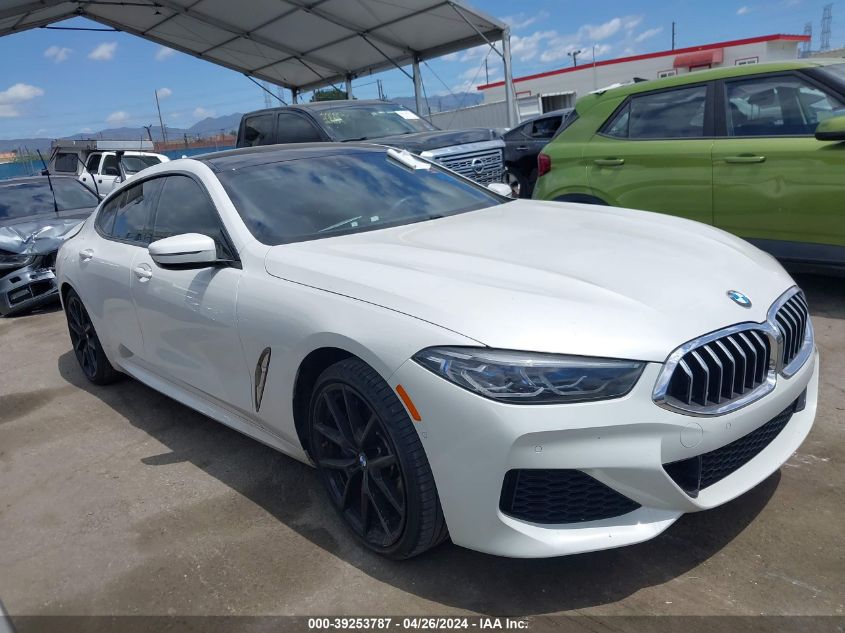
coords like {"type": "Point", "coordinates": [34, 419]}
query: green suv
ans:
{"type": "Point", "coordinates": [756, 150]}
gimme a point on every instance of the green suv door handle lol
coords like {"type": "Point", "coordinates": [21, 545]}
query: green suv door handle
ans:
{"type": "Point", "coordinates": [609, 162]}
{"type": "Point", "coordinates": [745, 158]}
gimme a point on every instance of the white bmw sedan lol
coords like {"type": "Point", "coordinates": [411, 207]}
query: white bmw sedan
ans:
{"type": "Point", "coordinates": [530, 378]}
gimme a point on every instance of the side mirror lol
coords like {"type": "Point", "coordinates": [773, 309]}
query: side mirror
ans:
{"type": "Point", "coordinates": [501, 188]}
{"type": "Point", "coordinates": [832, 129]}
{"type": "Point", "coordinates": [187, 249]}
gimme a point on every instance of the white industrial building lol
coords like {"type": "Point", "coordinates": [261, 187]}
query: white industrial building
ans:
{"type": "Point", "coordinates": [560, 88]}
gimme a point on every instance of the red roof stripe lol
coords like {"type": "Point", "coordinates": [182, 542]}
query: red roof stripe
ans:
{"type": "Point", "coordinates": [677, 51]}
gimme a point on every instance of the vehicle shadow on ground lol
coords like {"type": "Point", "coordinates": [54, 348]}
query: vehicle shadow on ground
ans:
{"type": "Point", "coordinates": [450, 575]}
{"type": "Point", "coordinates": [825, 295]}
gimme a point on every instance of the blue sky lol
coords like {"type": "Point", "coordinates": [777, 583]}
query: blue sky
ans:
{"type": "Point", "coordinates": [56, 83]}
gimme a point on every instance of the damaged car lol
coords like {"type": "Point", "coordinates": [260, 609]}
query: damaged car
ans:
{"type": "Point", "coordinates": [36, 215]}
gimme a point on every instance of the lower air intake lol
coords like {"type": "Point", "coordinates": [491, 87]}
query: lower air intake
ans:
{"type": "Point", "coordinates": [560, 496]}
{"type": "Point", "coordinates": [696, 473]}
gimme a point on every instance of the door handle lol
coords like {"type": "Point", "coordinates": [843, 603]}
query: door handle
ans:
{"type": "Point", "coordinates": [744, 159]}
{"type": "Point", "coordinates": [521, 148]}
{"type": "Point", "coordinates": [86, 255]}
{"type": "Point", "coordinates": [143, 273]}
{"type": "Point", "coordinates": [609, 162]}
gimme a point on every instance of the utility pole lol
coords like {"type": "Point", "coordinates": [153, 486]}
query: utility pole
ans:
{"type": "Point", "coordinates": [160, 120]}
{"type": "Point", "coordinates": [574, 56]}
{"type": "Point", "coordinates": [673, 36]}
{"type": "Point", "coordinates": [827, 19]}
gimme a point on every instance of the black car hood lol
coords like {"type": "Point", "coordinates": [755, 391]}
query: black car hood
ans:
{"type": "Point", "coordinates": [40, 235]}
{"type": "Point", "coordinates": [423, 141]}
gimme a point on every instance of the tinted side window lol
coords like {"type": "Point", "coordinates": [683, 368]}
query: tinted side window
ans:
{"type": "Point", "coordinates": [518, 133]}
{"type": "Point", "coordinates": [185, 208]}
{"type": "Point", "coordinates": [93, 163]}
{"type": "Point", "coordinates": [132, 220]}
{"type": "Point", "coordinates": [668, 114]}
{"type": "Point", "coordinates": [618, 126]}
{"type": "Point", "coordinates": [111, 166]}
{"type": "Point", "coordinates": [777, 106]}
{"type": "Point", "coordinates": [258, 130]}
{"type": "Point", "coordinates": [545, 128]}
{"type": "Point", "coordinates": [293, 128]}
{"type": "Point", "coordinates": [66, 163]}
{"type": "Point", "coordinates": [105, 218]}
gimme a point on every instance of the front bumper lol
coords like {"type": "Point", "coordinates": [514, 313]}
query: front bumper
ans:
{"type": "Point", "coordinates": [472, 442]}
{"type": "Point", "coordinates": [27, 288]}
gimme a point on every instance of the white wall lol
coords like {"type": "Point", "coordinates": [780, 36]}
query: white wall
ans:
{"type": "Point", "coordinates": [584, 80]}
{"type": "Point", "coordinates": [492, 115]}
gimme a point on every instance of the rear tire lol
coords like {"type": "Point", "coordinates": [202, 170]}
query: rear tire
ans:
{"type": "Point", "coordinates": [372, 462]}
{"type": "Point", "coordinates": [86, 344]}
{"type": "Point", "coordinates": [526, 185]}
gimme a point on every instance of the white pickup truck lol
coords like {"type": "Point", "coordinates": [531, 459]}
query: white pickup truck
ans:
{"type": "Point", "coordinates": [105, 168]}
{"type": "Point", "coordinates": [102, 164]}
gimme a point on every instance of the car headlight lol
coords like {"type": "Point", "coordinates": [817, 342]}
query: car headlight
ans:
{"type": "Point", "coordinates": [15, 260]}
{"type": "Point", "coordinates": [531, 378]}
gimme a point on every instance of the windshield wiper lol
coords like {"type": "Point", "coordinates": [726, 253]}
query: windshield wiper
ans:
{"type": "Point", "coordinates": [340, 224]}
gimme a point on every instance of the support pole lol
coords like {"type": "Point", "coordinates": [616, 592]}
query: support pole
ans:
{"type": "Point", "coordinates": [510, 96]}
{"type": "Point", "coordinates": [160, 120]}
{"type": "Point", "coordinates": [348, 86]}
{"type": "Point", "coordinates": [418, 96]}
{"type": "Point", "coordinates": [294, 95]}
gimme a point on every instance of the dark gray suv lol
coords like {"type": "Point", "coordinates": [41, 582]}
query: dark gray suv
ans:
{"type": "Point", "coordinates": [475, 152]}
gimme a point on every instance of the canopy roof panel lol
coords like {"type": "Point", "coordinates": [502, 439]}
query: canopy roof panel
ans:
{"type": "Point", "coordinates": [299, 44]}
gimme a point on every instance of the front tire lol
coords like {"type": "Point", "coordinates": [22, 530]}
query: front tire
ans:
{"type": "Point", "coordinates": [86, 344]}
{"type": "Point", "coordinates": [372, 462]}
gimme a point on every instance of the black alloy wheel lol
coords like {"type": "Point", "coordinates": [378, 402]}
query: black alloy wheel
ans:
{"type": "Point", "coordinates": [372, 463]}
{"type": "Point", "coordinates": [86, 344]}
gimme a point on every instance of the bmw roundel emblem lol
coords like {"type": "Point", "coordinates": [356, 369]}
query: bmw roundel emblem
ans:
{"type": "Point", "coordinates": [739, 298]}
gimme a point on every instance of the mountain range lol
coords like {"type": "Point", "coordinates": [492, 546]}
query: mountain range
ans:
{"type": "Point", "coordinates": [216, 125]}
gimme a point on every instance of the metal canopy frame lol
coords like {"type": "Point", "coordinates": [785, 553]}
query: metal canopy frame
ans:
{"type": "Point", "coordinates": [301, 45]}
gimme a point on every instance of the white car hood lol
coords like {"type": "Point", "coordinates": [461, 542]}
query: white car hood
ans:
{"type": "Point", "coordinates": [549, 277]}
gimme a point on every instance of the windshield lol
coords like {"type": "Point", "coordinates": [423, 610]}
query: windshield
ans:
{"type": "Point", "coordinates": [24, 199]}
{"type": "Point", "coordinates": [326, 196]}
{"type": "Point", "coordinates": [134, 164]}
{"type": "Point", "coordinates": [362, 122]}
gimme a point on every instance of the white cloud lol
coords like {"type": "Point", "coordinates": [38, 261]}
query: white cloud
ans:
{"type": "Point", "coordinates": [521, 20]}
{"type": "Point", "coordinates": [526, 48]}
{"type": "Point", "coordinates": [117, 118]}
{"type": "Point", "coordinates": [202, 113]}
{"type": "Point", "coordinates": [12, 96]}
{"type": "Point", "coordinates": [86, 130]}
{"type": "Point", "coordinates": [163, 93]}
{"type": "Point", "coordinates": [744, 10]}
{"type": "Point", "coordinates": [630, 22]}
{"type": "Point", "coordinates": [602, 31]}
{"type": "Point", "coordinates": [103, 52]}
{"type": "Point", "coordinates": [648, 34]}
{"type": "Point", "coordinates": [163, 53]}
{"type": "Point", "coordinates": [58, 53]}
